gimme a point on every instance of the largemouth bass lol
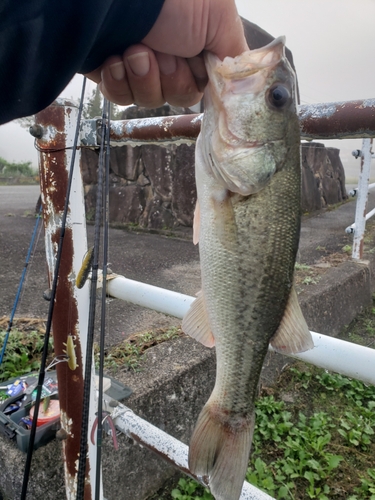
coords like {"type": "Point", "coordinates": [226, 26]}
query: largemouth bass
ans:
{"type": "Point", "coordinates": [247, 222]}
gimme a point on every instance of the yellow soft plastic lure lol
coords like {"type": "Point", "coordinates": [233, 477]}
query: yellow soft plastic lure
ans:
{"type": "Point", "coordinates": [85, 268]}
{"type": "Point", "coordinates": [70, 351]}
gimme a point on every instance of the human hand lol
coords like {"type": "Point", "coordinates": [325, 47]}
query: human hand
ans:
{"type": "Point", "coordinates": [167, 66]}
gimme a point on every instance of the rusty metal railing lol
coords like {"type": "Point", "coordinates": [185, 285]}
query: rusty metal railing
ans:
{"type": "Point", "coordinates": [336, 120]}
{"type": "Point", "coordinates": [320, 121]}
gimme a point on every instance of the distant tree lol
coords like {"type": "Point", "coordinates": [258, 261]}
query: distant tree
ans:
{"type": "Point", "coordinates": [3, 163]}
{"type": "Point", "coordinates": [94, 106]}
{"type": "Point", "coordinates": [116, 111]}
{"type": "Point", "coordinates": [23, 169]}
{"type": "Point", "coordinates": [91, 109]}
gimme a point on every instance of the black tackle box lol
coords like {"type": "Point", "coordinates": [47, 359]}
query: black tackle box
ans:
{"type": "Point", "coordinates": [10, 424]}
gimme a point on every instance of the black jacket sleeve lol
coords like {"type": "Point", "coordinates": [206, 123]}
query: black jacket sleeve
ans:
{"type": "Point", "coordinates": [43, 43]}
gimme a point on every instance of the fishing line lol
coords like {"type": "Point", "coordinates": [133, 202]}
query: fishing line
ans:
{"type": "Point", "coordinates": [54, 150]}
{"type": "Point", "coordinates": [106, 107]}
{"type": "Point", "coordinates": [41, 377]}
{"type": "Point", "coordinates": [20, 286]}
{"type": "Point", "coordinates": [31, 263]}
{"type": "Point", "coordinates": [62, 358]}
{"type": "Point", "coordinates": [91, 322]}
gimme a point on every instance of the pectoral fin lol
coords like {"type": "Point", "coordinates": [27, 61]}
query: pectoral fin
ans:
{"type": "Point", "coordinates": [293, 334]}
{"type": "Point", "coordinates": [195, 322]}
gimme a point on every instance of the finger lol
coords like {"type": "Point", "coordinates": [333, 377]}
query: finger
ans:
{"type": "Point", "coordinates": [143, 76]}
{"type": "Point", "coordinates": [114, 84]}
{"type": "Point", "coordinates": [198, 69]}
{"type": "Point", "coordinates": [186, 28]}
{"type": "Point", "coordinates": [95, 75]}
{"type": "Point", "coordinates": [178, 83]}
{"type": "Point", "coordinates": [225, 32]}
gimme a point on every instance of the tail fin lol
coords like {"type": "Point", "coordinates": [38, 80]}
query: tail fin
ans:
{"type": "Point", "coordinates": [220, 450]}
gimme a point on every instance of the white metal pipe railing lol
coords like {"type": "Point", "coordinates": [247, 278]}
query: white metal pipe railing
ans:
{"type": "Point", "coordinates": [349, 359]}
{"type": "Point", "coordinates": [168, 447]}
{"type": "Point", "coordinates": [351, 229]}
{"type": "Point", "coordinates": [354, 191]}
{"type": "Point", "coordinates": [153, 297]}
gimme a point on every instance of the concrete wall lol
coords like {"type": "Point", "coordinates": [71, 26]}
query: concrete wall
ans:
{"type": "Point", "coordinates": [170, 389]}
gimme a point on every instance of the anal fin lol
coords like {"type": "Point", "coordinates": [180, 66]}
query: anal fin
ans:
{"type": "Point", "coordinates": [195, 322]}
{"type": "Point", "coordinates": [293, 334]}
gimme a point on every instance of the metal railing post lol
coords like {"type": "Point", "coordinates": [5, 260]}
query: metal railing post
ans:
{"type": "Point", "coordinates": [362, 196]}
{"type": "Point", "coordinates": [55, 130]}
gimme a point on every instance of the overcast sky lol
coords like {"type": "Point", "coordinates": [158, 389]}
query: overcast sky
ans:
{"type": "Point", "coordinates": [333, 45]}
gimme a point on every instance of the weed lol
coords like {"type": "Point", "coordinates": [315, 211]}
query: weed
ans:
{"type": "Point", "coordinates": [295, 453]}
{"type": "Point", "coordinates": [367, 488]}
{"type": "Point", "coordinates": [301, 267]}
{"type": "Point", "coordinates": [187, 488]}
{"type": "Point", "coordinates": [22, 353]}
{"type": "Point", "coordinates": [347, 249]}
{"type": "Point", "coordinates": [130, 352]}
{"type": "Point", "coordinates": [24, 350]}
{"type": "Point", "coordinates": [369, 326]}
{"type": "Point", "coordinates": [309, 280]}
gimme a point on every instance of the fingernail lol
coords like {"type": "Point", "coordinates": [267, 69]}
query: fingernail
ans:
{"type": "Point", "coordinates": [117, 71]}
{"type": "Point", "coordinates": [139, 63]}
{"type": "Point", "coordinates": [167, 64]}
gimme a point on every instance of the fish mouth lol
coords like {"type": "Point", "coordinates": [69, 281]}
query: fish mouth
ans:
{"type": "Point", "coordinates": [252, 61]}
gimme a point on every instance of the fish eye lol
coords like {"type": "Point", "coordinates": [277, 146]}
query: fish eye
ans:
{"type": "Point", "coordinates": [278, 95]}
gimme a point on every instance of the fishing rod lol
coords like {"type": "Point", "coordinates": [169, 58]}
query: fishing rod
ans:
{"type": "Point", "coordinates": [106, 105]}
{"type": "Point", "coordinates": [20, 286]}
{"type": "Point", "coordinates": [81, 475]}
{"type": "Point", "coordinates": [51, 305]}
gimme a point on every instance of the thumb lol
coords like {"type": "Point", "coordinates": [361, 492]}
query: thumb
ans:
{"type": "Point", "coordinates": [225, 32]}
{"type": "Point", "coordinates": [186, 27]}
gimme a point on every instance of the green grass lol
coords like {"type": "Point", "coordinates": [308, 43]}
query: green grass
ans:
{"type": "Point", "coordinates": [22, 354]}
{"type": "Point", "coordinates": [24, 349]}
{"type": "Point", "coordinates": [321, 446]}
{"type": "Point", "coordinates": [131, 351]}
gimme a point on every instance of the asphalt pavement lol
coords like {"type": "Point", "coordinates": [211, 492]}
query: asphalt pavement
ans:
{"type": "Point", "coordinates": [167, 262]}
{"type": "Point", "coordinates": [162, 261]}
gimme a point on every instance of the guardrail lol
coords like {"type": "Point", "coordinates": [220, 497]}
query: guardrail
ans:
{"type": "Point", "coordinates": [54, 139]}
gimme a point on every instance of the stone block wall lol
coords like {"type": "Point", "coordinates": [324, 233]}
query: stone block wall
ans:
{"type": "Point", "coordinates": [323, 177]}
{"type": "Point", "coordinates": [154, 187]}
